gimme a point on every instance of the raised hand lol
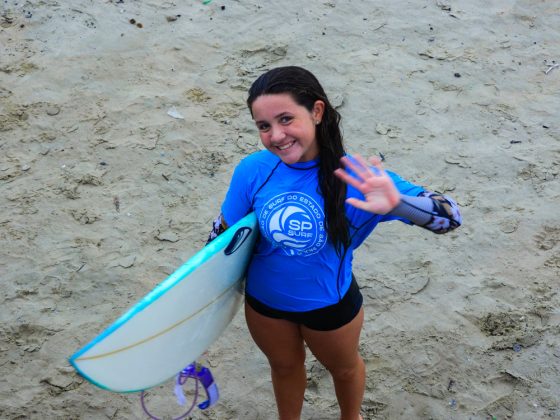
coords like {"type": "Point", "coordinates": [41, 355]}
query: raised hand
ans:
{"type": "Point", "coordinates": [381, 195]}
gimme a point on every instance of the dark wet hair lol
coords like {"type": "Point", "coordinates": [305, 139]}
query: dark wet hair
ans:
{"type": "Point", "coordinates": [305, 89]}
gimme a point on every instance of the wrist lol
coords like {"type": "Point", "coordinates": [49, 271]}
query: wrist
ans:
{"type": "Point", "coordinates": [415, 209]}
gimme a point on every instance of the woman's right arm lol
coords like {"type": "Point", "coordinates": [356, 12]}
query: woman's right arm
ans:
{"type": "Point", "coordinates": [219, 226]}
{"type": "Point", "coordinates": [238, 200]}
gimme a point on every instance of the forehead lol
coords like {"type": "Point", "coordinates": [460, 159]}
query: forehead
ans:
{"type": "Point", "coordinates": [270, 106]}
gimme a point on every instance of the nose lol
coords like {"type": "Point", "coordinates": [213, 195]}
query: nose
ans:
{"type": "Point", "coordinates": [276, 133]}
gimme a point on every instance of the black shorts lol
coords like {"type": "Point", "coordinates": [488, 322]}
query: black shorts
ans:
{"type": "Point", "coordinates": [323, 319]}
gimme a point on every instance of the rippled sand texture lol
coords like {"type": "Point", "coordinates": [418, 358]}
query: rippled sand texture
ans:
{"type": "Point", "coordinates": [103, 193]}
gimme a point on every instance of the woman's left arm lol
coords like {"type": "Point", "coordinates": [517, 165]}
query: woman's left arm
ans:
{"type": "Point", "coordinates": [433, 211]}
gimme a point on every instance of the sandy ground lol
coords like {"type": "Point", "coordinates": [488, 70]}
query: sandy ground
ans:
{"type": "Point", "coordinates": [103, 193]}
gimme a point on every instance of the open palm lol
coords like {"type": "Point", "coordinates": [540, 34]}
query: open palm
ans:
{"type": "Point", "coordinates": [380, 194]}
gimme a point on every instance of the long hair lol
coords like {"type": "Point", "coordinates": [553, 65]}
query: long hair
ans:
{"type": "Point", "coordinates": [305, 89]}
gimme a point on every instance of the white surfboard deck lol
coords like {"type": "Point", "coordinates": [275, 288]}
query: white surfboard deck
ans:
{"type": "Point", "coordinates": [177, 321]}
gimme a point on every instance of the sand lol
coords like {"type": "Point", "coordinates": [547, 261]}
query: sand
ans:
{"type": "Point", "coordinates": [103, 193]}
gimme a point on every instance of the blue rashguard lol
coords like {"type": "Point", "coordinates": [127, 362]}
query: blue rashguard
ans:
{"type": "Point", "coordinates": [295, 266]}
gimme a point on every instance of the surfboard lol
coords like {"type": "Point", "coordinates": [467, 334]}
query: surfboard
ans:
{"type": "Point", "coordinates": [177, 321]}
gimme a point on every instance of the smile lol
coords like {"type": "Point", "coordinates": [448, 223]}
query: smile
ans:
{"type": "Point", "coordinates": [286, 146]}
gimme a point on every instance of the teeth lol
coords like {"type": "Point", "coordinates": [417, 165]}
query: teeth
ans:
{"type": "Point", "coordinates": [285, 147]}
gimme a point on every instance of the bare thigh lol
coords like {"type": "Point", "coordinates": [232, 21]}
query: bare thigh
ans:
{"type": "Point", "coordinates": [280, 340]}
{"type": "Point", "coordinates": [336, 349]}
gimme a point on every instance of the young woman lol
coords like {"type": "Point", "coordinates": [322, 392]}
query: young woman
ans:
{"type": "Point", "coordinates": [314, 204]}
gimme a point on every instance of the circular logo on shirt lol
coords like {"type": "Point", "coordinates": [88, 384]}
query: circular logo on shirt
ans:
{"type": "Point", "coordinates": [294, 222]}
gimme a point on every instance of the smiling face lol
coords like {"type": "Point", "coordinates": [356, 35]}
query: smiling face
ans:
{"type": "Point", "coordinates": [286, 128]}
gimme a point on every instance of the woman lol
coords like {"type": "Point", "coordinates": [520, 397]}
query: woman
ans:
{"type": "Point", "coordinates": [312, 214]}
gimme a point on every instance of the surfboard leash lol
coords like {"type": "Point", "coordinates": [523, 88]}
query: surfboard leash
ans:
{"type": "Point", "coordinates": [202, 376]}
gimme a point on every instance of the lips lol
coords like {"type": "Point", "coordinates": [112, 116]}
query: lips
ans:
{"type": "Point", "coordinates": [286, 146]}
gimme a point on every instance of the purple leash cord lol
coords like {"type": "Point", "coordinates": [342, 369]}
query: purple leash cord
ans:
{"type": "Point", "coordinates": [200, 374]}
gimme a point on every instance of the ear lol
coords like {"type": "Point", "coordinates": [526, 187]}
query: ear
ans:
{"type": "Point", "coordinates": [318, 110]}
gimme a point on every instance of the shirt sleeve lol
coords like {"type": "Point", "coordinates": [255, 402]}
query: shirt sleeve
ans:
{"type": "Point", "coordinates": [405, 188]}
{"type": "Point", "coordinates": [238, 201]}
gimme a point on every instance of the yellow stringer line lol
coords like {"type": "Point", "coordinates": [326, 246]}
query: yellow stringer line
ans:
{"type": "Point", "coordinates": [99, 356]}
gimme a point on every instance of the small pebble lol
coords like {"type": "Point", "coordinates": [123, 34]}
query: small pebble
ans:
{"type": "Point", "coordinates": [53, 110]}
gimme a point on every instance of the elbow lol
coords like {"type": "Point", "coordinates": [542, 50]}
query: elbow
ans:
{"type": "Point", "coordinates": [441, 225]}
{"type": "Point", "coordinates": [451, 226]}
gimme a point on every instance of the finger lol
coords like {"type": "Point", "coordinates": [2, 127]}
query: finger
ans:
{"type": "Point", "coordinates": [351, 163]}
{"type": "Point", "coordinates": [359, 204]}
{"type": "Point", "coordinates": [346, 177]}
{"type": "Point", "coordinates": [376, 162]}
{"type": "Point", "coordinates": [371, 170]}
{"type": "Point", "coordinates": [363, 164]}
{"type": "Point", "coordinates": [358, 165]}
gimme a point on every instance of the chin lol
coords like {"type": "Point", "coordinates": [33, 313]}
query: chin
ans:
{"type": "Point", "coordinates": [288, 159]}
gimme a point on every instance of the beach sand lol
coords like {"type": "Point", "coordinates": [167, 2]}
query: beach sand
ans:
{"type": "Point", "coordinates": [103, 193]}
